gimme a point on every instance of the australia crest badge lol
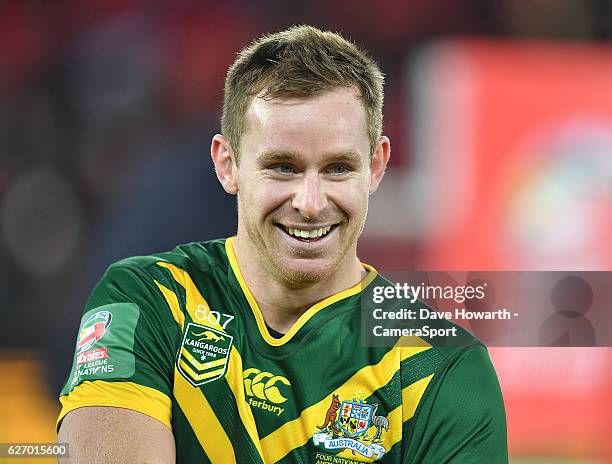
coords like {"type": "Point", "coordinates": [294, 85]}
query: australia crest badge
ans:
{"type": "Point", "coordinates": [352, 425]}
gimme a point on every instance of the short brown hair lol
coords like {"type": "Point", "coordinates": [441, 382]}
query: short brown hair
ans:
{"type": "Point", "coordinates": [299, 62]}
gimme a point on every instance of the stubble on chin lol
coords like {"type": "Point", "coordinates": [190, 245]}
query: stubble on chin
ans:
{"type": "Point", "coordinates": [292, 275]}
{"type": "Point", "coordinates": [288, 266]}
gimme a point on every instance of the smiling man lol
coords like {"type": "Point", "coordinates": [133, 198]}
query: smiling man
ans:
{"type": "Point", "coordinates": [248, 350]}
{"type": "Point", "coordinates": [303, 186]}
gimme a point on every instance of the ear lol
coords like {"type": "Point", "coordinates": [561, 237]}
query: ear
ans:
{"type": "Point", "coordinates": [380, 158]}
{"type": "Point", "coordinates": [225, 163]}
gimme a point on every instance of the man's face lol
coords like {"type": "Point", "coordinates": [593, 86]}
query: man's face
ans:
{"type": "Point", "coordinates": [303, 183]}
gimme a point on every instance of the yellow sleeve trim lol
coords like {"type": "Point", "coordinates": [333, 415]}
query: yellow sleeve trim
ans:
{"type": "Point", "coordinates": [126, 395]}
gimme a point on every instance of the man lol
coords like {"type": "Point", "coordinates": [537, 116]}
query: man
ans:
{"type": "Point", "coordinates": [248, 349]}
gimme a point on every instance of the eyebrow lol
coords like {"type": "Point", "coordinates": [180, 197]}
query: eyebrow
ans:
{"type": "Point", "coordinates": [272, 156]}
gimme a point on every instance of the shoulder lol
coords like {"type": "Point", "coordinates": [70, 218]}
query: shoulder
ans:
{"type": "Point", "coordinates": [392, 312]}
{"type": "Point", "coordinates": [202, 255]}
{"type": "Point", "coordinates": [464, 404]}
{"type": "Point", "coordinates": [430, 345]}
{"type": "Point", "coordinates": [139, 279]}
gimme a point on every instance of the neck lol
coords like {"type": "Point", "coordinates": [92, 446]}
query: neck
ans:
{"type": "Point", "coordinates": [280, 301]}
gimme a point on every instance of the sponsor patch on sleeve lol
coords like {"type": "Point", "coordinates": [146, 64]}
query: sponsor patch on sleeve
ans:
{"type": "Point", "coordinates": [105, 344]}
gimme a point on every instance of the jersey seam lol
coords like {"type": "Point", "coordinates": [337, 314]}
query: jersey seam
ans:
{"type": "Point", "coordinates": [448, 360]}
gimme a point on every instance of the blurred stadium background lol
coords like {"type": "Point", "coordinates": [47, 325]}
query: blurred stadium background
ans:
{"type": "Point", "coordinates": [500, 116]}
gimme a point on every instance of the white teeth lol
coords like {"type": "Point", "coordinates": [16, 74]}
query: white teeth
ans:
{"type": "Point", "coordinates": [308, 233]}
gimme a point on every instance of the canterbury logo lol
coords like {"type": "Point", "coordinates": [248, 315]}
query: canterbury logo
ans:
{"type": "Point", "coordinates": [263, 385]}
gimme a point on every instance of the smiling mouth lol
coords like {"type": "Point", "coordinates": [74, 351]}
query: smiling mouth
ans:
{"type": "Point", "coordinates": [310, 235]}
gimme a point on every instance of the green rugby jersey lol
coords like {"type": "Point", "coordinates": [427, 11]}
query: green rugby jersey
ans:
{"type": "Point", "coordinates": [179, 337]}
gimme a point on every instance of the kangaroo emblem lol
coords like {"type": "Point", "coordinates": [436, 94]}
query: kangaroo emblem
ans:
{"type": "Point", "coordinates": [330, 415]}
{"type": "Point", "coordinates": [209, 335]}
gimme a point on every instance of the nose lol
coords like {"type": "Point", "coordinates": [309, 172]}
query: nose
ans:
{"type": "Point", "coordinates": [309, 198]}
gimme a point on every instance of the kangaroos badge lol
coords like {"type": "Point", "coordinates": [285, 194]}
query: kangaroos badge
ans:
{"type": "Point", "coordinates": [204, 354]}
{"type": "Point", "coordinates": [352, 425]}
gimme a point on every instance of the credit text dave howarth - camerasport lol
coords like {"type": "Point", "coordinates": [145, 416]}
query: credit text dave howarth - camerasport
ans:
{"type": "Point", "coordinates": [413, 294]}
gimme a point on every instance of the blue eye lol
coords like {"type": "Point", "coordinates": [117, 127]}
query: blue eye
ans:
{"type": "Point", "coordinates": [284, 169]}
{"type": "Point", "coordinates": [339, 169]}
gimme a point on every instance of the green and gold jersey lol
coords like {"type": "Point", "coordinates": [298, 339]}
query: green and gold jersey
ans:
{"type": "Point", "coordinates": [179, 337]}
